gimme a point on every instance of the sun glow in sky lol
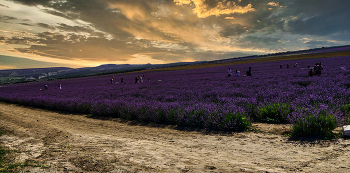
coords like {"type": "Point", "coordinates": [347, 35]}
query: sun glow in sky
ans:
{"type": "Point", "coordinates": [85, 33]}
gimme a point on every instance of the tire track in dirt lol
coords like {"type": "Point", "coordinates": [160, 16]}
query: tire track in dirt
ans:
{"type": "Point", "coordinates": [76, 143]}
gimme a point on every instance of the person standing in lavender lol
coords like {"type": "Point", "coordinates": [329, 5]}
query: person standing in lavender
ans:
{"type": "Point", "coordinates": [237, 73]}
{"type": "Point", "coordinates": [316, 69]}
{"type": "Point", "coordinates": [249, 72]}
{"type": "Point", "coordinates": [310, 73]}
{"type": "Point", "coordinates": [60, 86]}
{"type": "Point", "coordinates": [229, 72]}
{"type": "Point", "coordinates": [320, 68]}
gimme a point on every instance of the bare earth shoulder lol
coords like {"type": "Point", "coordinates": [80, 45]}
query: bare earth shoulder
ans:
{"type": "Point", "coordinates": [76, 143]}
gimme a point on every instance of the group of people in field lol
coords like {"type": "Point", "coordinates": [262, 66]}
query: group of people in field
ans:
{"type": "Point", "coordinates": [46, 87]}
{"type": "Point", "coordinates": [248, 73]}
{"type": "Point", "coordinates": [313, 71]}
{"type": "Point", "coordinates": [316, 70]}
{"type": "Point", "coordinates": [295, 65]}
{"type": "Point", "coordinates": [138, 79]}
{"type": "Point", "coordinates": [121, 81]}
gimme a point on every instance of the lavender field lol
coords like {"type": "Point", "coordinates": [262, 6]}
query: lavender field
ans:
{"type": "Point", "coordinates": [206, 97]}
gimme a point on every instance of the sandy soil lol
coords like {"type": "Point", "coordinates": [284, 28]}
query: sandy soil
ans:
{"type": "Point", "coordinates": [75, 143]}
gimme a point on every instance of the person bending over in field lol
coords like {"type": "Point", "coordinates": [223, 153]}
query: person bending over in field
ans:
{"type": "Point", "coordinates": [46, 87]}
{"type": "Point", "coordinates": [229, 72]}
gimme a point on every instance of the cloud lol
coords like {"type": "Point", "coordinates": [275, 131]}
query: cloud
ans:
{"type": "Point", "coordinates": [263, 41]}
{"type": "Point", "coordinates": [44, 25]}
{"type": "Point", "coordinates": [26, 24]}
{"type": "Point", "coordinates": [164, 28]}
{"type": "Point", "coordinates": [33, 2]}
{"type": "Point", "coordinates": [320, 19]}
{"type": "Point", "coordinates": [6, 67]}
{"type": "Point", "coordinates": [205, 8]}
{"type": "Point", "coordinates": [198, 56]}
{"type": "Point", "coordinates": [68, 28]}
{"type": "Point", "coordinates": [6, 18]}
{"type": "Point", "coordinates": [233, 30]}
{"type": "Point", "coordinates": [169, 30]}
{"type": "Point", "coordinates": [10, 62]}
{"type": "Point", "coordinates": [139, 10]}
{"type": "Point", "coordinates": [273, 4]}
{"type": "Point", "coordinates": [72, 46]}
{"type": "Point", "coordinates": [4, 6]}
{"type": "Point", "coordinates": [229, 18]}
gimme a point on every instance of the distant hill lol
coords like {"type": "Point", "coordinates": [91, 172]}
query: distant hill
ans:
{"type": "Point", "coordinates": [34, 74]}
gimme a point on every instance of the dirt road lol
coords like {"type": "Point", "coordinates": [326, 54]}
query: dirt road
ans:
{"type": "Point", "coordinates": [76, 143]}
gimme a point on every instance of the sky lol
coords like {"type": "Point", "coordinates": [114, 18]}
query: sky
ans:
{"type": "Point", "coordinates": [85, 33]}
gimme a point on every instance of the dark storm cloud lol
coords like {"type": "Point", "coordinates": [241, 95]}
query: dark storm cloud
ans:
{"type": "Point", "coordinates": [321, 17]}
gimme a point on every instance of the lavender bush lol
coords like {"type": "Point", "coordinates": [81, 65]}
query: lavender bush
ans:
{"type": "Point", "coordinates": [274, 113]}
{"type": "Point", "coordinates": [204, 98]}
{"type": "Point", "coordinates": [318, 122]}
